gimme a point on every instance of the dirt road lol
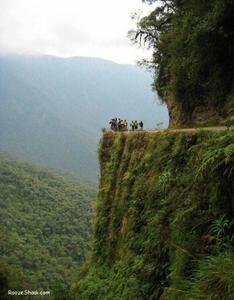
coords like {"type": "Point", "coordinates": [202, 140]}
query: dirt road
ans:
{"type": "Point", "coordinates": [186, 130]}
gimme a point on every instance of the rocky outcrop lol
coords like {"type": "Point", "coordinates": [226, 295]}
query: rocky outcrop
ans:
{"type": "Point", "coordinates": [203, 115]}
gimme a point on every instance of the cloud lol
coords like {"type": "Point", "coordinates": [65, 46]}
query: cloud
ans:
{"type": "Point", "coordinates": [70, 27]}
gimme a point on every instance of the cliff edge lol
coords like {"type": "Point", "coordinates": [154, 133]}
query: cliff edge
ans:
{"type": "Point", "coordinates": [163, 226]}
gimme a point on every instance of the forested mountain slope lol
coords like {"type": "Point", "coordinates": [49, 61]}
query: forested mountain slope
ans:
{"type": "Point", "coordinates": [52, 109]}
{"type": "Point", "coordinates": [45, 226]}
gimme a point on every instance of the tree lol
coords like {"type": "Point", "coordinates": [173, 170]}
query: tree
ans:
{"type": "Point", "coordinates": [192, 43]}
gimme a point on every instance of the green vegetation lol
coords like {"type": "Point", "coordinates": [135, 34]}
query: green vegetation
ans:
{"type": "Point", "coordinates": [163, 225]}
{"type": "Point", "coordinates": [45, 227]}
{"type": "Point", "coordinates": [192, 43]}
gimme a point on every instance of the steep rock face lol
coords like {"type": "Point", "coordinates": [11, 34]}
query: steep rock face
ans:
{"type": "Point", "coordinates": [161, 196]}
{"type": "Point", "coordinates": [202, 115]}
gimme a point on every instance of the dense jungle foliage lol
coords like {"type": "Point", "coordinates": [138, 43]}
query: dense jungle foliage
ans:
{"type": "Point", "coordinates": [193, 46]}
{"type": "Point", "coordinates": [45, 227]}
{"type": "Point", "coordinates": [164, 218]}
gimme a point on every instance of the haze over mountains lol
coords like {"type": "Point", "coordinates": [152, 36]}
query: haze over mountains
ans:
{"type": "Point", "coordinates": [52, 109]}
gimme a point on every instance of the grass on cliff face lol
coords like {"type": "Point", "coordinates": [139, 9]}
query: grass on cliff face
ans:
{"type": "Point", "coordinates": [161, 197]}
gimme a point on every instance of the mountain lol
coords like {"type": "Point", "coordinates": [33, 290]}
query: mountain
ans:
{"type": "Point", "coordinates": [45, 226]}
{"type": "Point", "coordinates": [52, 109]}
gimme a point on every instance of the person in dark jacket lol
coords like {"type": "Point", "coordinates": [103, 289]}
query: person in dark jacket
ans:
{"type": "Point", "coordinates": [141, 124]}
{"type": "Point", "coordinates": [136, 124]}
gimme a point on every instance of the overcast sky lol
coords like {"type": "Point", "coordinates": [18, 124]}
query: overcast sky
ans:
{"type": "Point", "coordinates": [70, 28]}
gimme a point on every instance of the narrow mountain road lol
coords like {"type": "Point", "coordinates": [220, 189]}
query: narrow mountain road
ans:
{"type": "Point", "coordinates": [186, 130]}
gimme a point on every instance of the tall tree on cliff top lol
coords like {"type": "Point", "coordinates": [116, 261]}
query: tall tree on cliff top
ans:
{"type": "Point", "coordinates": [193, 46]}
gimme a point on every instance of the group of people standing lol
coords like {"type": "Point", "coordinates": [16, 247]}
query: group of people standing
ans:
{"type": "Point", "coordinates": [122, 125]}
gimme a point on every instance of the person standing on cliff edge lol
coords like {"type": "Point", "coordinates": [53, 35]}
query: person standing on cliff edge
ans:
{"type": "Point", "coordinates": [141, 124]}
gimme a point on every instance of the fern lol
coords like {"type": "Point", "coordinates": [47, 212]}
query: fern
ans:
{"type": "Point", "coordinates": [221, 229]}
{"type": "Point", "coordinates": [214, 279]}
{"type": "Point", "coordinates": [164, 181]}
{"type": "Point", "coordinates": [221, 153]}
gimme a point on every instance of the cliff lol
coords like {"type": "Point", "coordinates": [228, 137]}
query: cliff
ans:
{"type": "Point", "coordinates": [206, 114]}
{"type": "Point", "coordinates": [163, 226]}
